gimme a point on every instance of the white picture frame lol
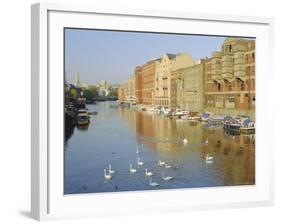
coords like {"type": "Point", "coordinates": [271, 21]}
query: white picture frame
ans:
{"type": "Point", "coordinates": [48, 201]}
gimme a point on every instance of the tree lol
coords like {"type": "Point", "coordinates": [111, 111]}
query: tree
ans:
{"type": "Point", "coordinates": [74, 93]}
{"type": "Point", "coordinates": [88, 94]}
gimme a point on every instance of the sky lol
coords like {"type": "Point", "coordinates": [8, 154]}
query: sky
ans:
{"type": "Point", "coordinates": [113, 55]}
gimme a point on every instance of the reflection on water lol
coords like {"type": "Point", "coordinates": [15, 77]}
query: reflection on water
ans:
{"type": "Point", "coordinates": [113, 137]}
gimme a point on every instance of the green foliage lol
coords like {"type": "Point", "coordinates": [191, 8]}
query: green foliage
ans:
{"type": "Point", "coordinates": [74, 93]}
{"type": "Point", "coordinates": [90, 93]}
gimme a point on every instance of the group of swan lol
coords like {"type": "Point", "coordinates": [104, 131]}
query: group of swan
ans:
{"type": "Point", "coordinates": [108, 175]}
{"type": "Point", "coordinates": [167, 166]}
{"type": "Point", "coordinates": [155, 184]}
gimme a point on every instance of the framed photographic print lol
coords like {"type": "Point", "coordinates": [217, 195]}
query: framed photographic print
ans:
{"type": "Point", "coordinates": [148, 111]}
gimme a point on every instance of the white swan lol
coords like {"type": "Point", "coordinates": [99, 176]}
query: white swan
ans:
{"type": "Point", "coordinates": [132, 170]}
{"type": "Point", "coordinates": [206, 142]}
{"type": "Point", "coordinates": [167, 178]}
{"type": "Point", "coordinates": [138, 151]}
{"type": "Point", "coordinates": [209, 159]}
{"type": "Point", "coordinates": [167, 166]}
{"type": "Point", "coordinates": [153, 184]}
{"type": "Point", "coordinates": [148, 173]}
{"type": "Point", "coordinates": [160, 163]}
{"type": "Point", "coordinates": [184, 141]}
{"type": "Point", "coordinates": [140, 163]}
{"type": "Point", "coordinates": [110, 170]}
{"type": "Point", "coordinates": [107, 176]}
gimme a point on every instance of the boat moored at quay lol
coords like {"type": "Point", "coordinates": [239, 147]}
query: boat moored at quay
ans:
{"type": "Point", "coordinates": [233, 124]}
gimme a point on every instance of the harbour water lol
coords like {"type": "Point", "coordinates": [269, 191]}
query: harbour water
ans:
{"type": "Point", "coordinates": [115, 133]}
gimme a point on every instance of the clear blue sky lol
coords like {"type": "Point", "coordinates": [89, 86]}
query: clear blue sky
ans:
{"type": "Point", "coordinates": [113, 56]}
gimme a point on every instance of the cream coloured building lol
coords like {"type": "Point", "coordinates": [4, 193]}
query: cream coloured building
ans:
{"type": "Point", "coordinates": [165, 81]}
{"type": "Point", "coordinates": [129, 90]}
{"type": "Point", "coordinates": [189, 82]}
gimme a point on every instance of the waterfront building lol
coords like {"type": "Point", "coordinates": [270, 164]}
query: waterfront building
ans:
{"type": "Point", "coordinates": [103, 88]}
{"type": "Point", "coordinates": [121, 94]}
{"type": "Point", "coordinates": [145, 76]}
{"type": "Point", "coordinates": [189, 87]}
{"type": "Point", "coordinates": [165, 82]}
{"type": "Point", "coordinates": [126, 92]}
{"type": "Point", "coordinates": [229, 85]}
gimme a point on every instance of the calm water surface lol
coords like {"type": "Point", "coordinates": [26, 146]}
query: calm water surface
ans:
{"type": "Point", "coordinates": [114, 134]}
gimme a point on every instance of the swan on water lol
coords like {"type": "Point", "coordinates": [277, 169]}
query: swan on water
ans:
{"type": "Point", "coordinates": [132, 170]}
{"type": "Point", "coordinates": [110, 170]}
{"type": "Point", "coordinates": [184, 141]}
{"type": "Point", "coordinates": [140, 163]}
{"type": "Point", "coordinates": [167, 178]}
{"type": "Point", "coordinates": [167, 166]}
{"type": "Point", "coordinates": [209, 159]}
{"type": "Point", "coordinates": [153, 184]}
{"type": "Point", "coordinates": [148, 173]}
{"type": "Point", "coordinates": [106, 176]}
{"type": "Point", "coordinates": [160, 163]}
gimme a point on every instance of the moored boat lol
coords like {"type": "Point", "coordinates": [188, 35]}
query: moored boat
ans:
{"type": "Point", "coordinates": [205, 116]}
{"type": "Point", "coordinates": [247, 127]}
{"type": "Point", "coordinates": [82, 119]}
{"type": "Point", "coordinates": [232, 124]}
{"type": "Point", "coordinates": [194, 116]}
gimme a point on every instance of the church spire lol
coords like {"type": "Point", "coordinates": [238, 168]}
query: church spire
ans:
{"type": "Point", "coordinates": [77, 79]}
